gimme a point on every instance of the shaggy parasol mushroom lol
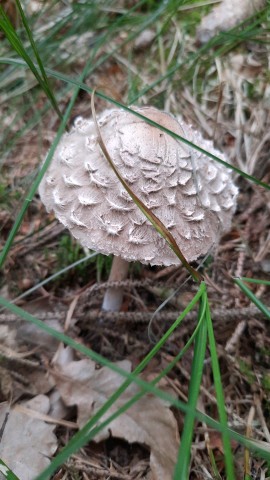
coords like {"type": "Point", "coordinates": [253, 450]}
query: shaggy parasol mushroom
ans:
{"type": "Point", "coordinates": [192, 195]}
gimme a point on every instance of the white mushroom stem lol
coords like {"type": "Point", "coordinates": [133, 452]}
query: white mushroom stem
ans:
{"type": "Point", "coordinates": [113, 297]}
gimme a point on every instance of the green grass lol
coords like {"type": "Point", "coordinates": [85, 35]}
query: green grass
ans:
{"type": "Point", "coordinates": [69, 252]}
{"type": "Point", "coordinates": [6, 472]}
{"type": "Point", "coordinates": [30, 48]}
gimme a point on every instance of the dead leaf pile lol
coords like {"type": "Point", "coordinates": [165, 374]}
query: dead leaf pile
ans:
{"type": "Point", "coordinates": [149, 421]}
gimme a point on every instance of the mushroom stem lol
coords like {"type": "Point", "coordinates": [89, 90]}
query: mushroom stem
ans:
{"type": "Point", "coordinates": [114, 295]}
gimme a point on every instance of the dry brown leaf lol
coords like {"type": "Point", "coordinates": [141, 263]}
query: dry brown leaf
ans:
{"type": "Point", "coordinates": [149, 421]}
{"type": "Point", "coordinates": [27, 443]}
{"type": "Point", "coordinates": [227, 14]}
{"type": "Point", "coordinates": [23, 374]}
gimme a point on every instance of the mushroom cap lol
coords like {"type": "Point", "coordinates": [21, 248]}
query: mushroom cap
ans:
{"type": "Point", "coordinates": [192, 195]}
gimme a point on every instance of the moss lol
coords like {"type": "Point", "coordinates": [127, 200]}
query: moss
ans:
{"type": "Point", "coordinates": [247, 371]}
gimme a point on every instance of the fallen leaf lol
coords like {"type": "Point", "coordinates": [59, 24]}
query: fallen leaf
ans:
{"type": "Point", "coordinates": [149, 421]}
{"type": "Point", "coordinates": [27, 443]}
{"type": "Point", "coordinates": [20, 376]}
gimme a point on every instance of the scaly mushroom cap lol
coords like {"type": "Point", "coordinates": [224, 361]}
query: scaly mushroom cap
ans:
{"type": "Point", "coordinates": [191, 194]}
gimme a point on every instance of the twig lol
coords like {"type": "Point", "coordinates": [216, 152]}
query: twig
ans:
{"type": "Point", "coordinates": [144, 317]}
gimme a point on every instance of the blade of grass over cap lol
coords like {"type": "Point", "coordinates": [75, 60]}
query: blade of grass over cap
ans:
{"type": "Point", "coordinates": [157, 224]}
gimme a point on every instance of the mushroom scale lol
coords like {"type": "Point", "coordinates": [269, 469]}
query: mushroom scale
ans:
{"type": "Point", "coordinates": [192, 195]}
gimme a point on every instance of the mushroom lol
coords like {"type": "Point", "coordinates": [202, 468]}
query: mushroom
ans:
{"type": "Point", "coordinates": [192, 195]}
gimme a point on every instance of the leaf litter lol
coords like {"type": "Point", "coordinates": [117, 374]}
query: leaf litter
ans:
{"type": "Point", "coordinates": [27, 443]}
{"type": "Point", "coordinates": [82, 384]}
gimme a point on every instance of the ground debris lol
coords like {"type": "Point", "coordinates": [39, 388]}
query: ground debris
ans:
{"type": "Point", "coordinates": [83, 384]}
{"type": "Point", "coordinates": [27, 443]}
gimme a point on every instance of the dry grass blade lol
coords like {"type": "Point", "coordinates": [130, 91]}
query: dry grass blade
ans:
{"type": "Point", "coordinates": [158, 225]}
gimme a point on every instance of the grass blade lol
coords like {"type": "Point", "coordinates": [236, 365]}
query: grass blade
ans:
{"type": "Point", "coordinates": [256, 280]}
{"type": "Point", "coordinates": [6, 472]}
{"type": "Point", "coordinates": [252, 297]}
{"type": "Point", "coordinates": [182, 466]}
{"type": "Point", "coordinates": [17, 45]}
{"type": "Point", "coordinates": [45, 84]}
{"type": "Point", "coordinates": [228, 456]}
